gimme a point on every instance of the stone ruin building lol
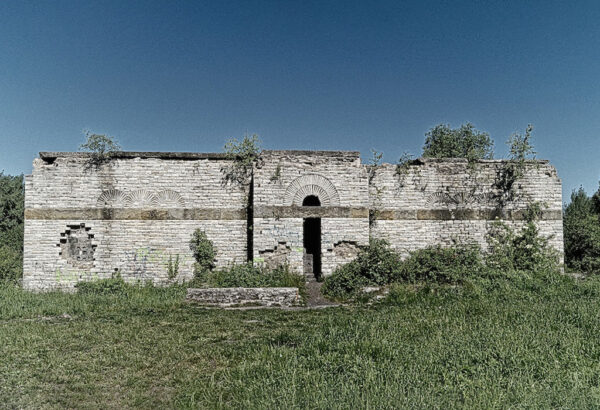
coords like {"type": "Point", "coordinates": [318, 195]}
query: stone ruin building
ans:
{"type": "Point", "coordinates": [135, 213]}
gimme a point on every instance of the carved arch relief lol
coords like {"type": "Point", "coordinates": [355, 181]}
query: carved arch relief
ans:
{"type": "Point", "coordinates": [113, 198]}
{"type": "Point", "coordinates": [141, 198]}
{"type": "Point", "coordinates": [311, 184]}
{"type": "Point", "coordinates": [169, 199]}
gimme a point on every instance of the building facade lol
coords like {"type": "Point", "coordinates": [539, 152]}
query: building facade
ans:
{"type": "Point", "coordinates": [135, 213]}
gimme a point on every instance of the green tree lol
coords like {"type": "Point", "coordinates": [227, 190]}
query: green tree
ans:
{"type": "Point", "coordinates": [464, 142]}
{"type": "Point", "coordinates": [596, 201]}
{"type": "Point", "coordinates": [12, 204]}
{"type": "Point", "coordinates": [582, 232]}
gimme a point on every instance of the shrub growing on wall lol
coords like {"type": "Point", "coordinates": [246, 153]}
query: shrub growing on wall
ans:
{"type": "Point", "coordinates": [242, 154]}
{"type": "Point", "coordinates": [204, 252]}
{"type": "Point", "coordinates": [101, 146]}
{"type": "Point", "coordinates": [464, 142]}
{"type": "Point", "coordinates": [521, 151]}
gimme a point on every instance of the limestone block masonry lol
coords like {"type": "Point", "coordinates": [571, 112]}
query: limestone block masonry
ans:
{"type": "Point", "coordinates": [311, 210]}
{"type": "Point", "coordinates": [226, 297]}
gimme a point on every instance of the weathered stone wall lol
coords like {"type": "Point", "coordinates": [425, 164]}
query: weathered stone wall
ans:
{"type": "Point", "coordinates": [450, 202]}
{"type": "Point", "coordinates": [281, 182]}
{"type": "Point", "coordinates": [137, 211]}
{"type": "Point", "coordinates": [132, 214]}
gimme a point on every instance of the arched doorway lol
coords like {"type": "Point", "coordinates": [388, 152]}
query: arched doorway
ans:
{"type": "Point", "coordinates": [312, 241]}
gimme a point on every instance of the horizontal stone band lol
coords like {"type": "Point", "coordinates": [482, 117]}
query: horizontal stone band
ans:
{"type": "Point", "coordinates": [397, 214]}
{"type": "Point", "coordinates": [462, 215]}
{"type": "Point", "coordinates": [135, 214]}
{"type": "Point", "coordinates": [279, 212]}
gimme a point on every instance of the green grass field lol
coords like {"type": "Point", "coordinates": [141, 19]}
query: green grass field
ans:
{"type": "Point", "coordinates": [532, 345]}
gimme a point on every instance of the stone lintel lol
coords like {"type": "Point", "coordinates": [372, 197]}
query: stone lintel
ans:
{"type": "Point", "coordinates": [310, 212]}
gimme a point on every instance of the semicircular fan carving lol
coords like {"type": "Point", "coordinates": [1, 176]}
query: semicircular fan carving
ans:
{"type": "Point", "coordinates": [112, 198]}
{"type": "Point", "coordinates": [140, 199]}
{"type": "Point", "coordinates": [440, 198]}
{"type": "Point", "coordinates": [169, 199]}
{"type": "Point", "coordinates": [312, 184]}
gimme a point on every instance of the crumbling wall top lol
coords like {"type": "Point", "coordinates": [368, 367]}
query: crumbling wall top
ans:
{"type": "Point", "coordinates": [49, 156]}
{"type": "Point", "coordinates": [334, 154]}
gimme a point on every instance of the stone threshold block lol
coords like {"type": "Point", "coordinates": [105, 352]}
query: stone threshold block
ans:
{"type": "Point", "coordinates": [227, 297]}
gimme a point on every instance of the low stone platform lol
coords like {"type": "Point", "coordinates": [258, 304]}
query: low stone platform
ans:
{"type": "Point", "coordinates": [227, 297]}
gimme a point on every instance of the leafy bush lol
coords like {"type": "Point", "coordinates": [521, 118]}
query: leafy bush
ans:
{"type": "Point", "coordinates": [375, 264]}
{"type": "Point", "coordinates": [442, 265]}
{"type": "Point", "coordinates": [203, 251]}
{"type": "Point", "coordinates": [464, 142]}
{"type": "Point", "coordinates": [524, 250]}
{"type": "Point", "coordinates": [345, 281]}
{"type": "Point", "coordinates": [378, 265]}
{"type": "Point", "coordinates": [513, 256]}
{"type": "Point", "coordinates": [582, 232]}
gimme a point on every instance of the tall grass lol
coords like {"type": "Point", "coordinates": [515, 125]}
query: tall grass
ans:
{"type": "Point", "coordinates": [523, 341]}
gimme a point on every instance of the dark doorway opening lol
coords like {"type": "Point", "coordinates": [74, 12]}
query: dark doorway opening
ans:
{"type": "Point", "coordinates": [312, 241]}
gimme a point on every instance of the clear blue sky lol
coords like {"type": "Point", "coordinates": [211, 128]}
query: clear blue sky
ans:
{"type": "Point", "coordinates": [186, 76]}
